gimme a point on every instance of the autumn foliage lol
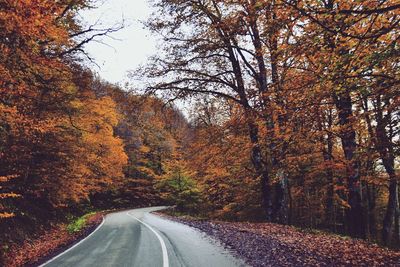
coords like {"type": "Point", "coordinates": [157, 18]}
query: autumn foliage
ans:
{"type": "Point", "coordinates": [298, 102]}
{"type": "Point", "coordinates": [57, 144]}
{"type": "Point", "coordinates": [294, 116]}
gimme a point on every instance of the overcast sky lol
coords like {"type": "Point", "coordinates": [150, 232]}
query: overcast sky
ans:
{"type": "Point", "coordinates": [131, 46]}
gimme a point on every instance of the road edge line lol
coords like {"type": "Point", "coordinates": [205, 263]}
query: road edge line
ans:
{"type": "Point", "coordinates": [160, 239]}
{"type": "Point", "coordinates": [62, 253]}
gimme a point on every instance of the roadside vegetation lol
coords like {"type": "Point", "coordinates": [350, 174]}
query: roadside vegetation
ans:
{"type": "Point", "coordinates": [77, 224]}
{"type": "Point", "coordinates": [294, 119]}
{"type": "Point", "coordinates": [38, 249]}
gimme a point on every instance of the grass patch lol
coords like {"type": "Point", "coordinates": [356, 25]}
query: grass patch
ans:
{"type": "Point", "coordinates": [78, 224]}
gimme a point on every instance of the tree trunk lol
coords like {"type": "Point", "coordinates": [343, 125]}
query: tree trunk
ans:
{"type": "Point", "coordinates": [385, 148]}
{"type": "Point", "coordinates": [278, 155]}
{"type": "Point", "coordinates": [281, 206]}
{"type": "Point", "coordinates": [257, 158]}
{"type": "Point", "coordinates": [269, 206]}
{"type": "Point", "coordinates": [372, 211]}
{"type": "Point", "coordinates": [261, 169]}
{"type": "Point", "coordinates": [391, 211]}
{"type": "Point", "coordinates": [397, 222]}
{"type": "Point", "coordinates": [354, 214]}
{"type": "Point", "coordinates": [327, 156]}
{"type": "Point", "coordinates": [369, 169]}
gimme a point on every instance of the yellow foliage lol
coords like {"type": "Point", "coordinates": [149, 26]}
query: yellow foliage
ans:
{"type": "Point", "coordinates": [99, 155]}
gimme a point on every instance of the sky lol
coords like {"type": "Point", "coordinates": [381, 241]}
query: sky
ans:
{"type": "Point", "coordinates": [129, 47]}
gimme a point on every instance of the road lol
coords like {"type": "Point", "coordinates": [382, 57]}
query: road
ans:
{"type": "Point", "coordinates": [139, 238]}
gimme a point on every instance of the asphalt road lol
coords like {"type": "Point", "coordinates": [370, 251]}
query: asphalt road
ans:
{"type": "Point", "coordinates": [138, 238]}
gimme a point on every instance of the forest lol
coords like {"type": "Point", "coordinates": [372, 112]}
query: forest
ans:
{"type": "Point", "coordinates": [294, 116]}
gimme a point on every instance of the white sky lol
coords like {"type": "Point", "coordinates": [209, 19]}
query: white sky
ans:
{"type": "Point", "coordinates": [129, 47]}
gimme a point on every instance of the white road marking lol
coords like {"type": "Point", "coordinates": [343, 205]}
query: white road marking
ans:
{"type": "Point", "coordinates": [163, 246]}
{"type": "Point", "coordinates": [77, 244]}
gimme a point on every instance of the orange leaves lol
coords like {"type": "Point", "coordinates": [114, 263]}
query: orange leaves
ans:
{"type": "Point", "coordinates": [219, 157]}
{"type": "Point", "coordinates": [144, 149]}
{"type": "Point", "coordinates": [4, 213]}
{"type": "Point", "coordinates": [34, 19]}
{"type": "Point", "coordinates": [8, 195]}
{"type": "Point", "coordinates": [98, 156]}
{"type": "Point", "coordinates": [57, 142]}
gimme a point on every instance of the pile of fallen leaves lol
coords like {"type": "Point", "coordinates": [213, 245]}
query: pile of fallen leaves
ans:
{"type": "Point", "coordinates": [51, 243]}
{"type": "Point", "coordinates": [266, 244]}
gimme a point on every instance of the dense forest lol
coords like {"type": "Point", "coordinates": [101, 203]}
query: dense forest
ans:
{"type": "Point", "coordinates": [294, 116]}
{"type": "Point", "coordinates": [298, 108]}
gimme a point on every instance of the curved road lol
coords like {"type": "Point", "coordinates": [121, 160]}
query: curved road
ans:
{"type": "Point", "coordinates": [138, 238]}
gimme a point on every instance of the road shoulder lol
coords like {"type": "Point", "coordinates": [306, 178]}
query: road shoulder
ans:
{"type": "Point", "coordinates": [55, 241]}
{"type": "Point", "coordinates": [266, 244]}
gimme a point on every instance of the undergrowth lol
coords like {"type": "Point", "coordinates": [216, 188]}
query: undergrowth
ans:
{"type": "Point", "coordinates": [79, 223]}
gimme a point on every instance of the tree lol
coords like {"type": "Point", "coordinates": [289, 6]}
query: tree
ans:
{"type": "Point", "coordinates": [44, 109]}
{"type": "Point", "coordinates": [218, 157]}
{"type": "Point", "coordinates": [343, 61]}
{"type": "Point", "coordinates": [315, 83]}
{"type": "Point", "coordinates": [214, 44]}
